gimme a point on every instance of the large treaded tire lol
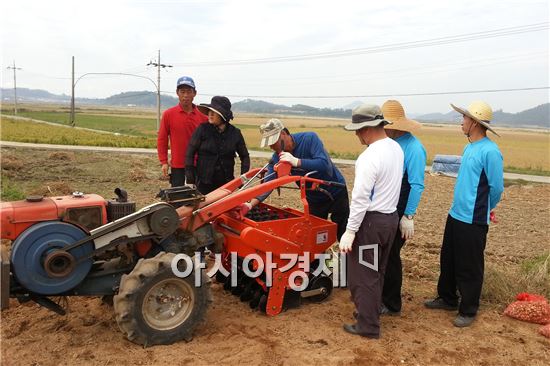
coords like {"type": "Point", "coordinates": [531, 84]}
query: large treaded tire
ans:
{"type": "Point", "coordinates": [154, 306]}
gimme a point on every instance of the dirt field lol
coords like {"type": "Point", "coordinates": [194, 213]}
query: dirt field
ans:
{"type": "Point", "coordinates": [312, 334]}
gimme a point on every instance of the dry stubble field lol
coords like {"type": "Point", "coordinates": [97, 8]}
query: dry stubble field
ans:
{"type": "Point", "coordinates": [312, 334]}
{"type": "Point", "coordinates": [523, 150]}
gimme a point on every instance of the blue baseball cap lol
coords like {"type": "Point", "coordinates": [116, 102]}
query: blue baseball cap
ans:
{"type": "Point", "coordinates": [185, 80]}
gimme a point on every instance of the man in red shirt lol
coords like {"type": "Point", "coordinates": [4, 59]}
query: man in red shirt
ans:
{"type": "Point", "coordinates": [177, 125]}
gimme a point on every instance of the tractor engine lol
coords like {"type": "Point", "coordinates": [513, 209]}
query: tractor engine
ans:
{"type": "Point", "coordinates": [80, 244]}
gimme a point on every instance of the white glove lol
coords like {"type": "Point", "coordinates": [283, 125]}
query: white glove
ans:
{"type": "Point", "coordinates": [346, 241]}
{"type": "Point", "coordinates": [288, 157]}
{"type": "Point", "coordinates": [406, 226]}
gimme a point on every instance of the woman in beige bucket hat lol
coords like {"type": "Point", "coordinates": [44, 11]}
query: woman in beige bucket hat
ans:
{"type": "Point", "coordinates": [412, 187]}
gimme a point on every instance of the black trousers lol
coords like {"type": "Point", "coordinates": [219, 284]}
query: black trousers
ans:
{"type": "Point", "coordinates": [462, 265]}
{"type": "Point", "coordinates": [393, 279]}
{"type": "Point", "coordinates": [217, 180]}
{"type": "Point", "coordinates": [177, 177]}
{"type": "Point", "coordinates": [338, 209]}
{"type": "Point", "coordinates": [366, 283]}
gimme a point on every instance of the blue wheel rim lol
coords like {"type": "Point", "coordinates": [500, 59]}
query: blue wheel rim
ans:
{"type": "Point", "coordinates": [31, 247]}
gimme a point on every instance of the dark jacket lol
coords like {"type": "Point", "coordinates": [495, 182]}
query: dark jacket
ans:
{"type": "Point", "coordinates": [215, 153]}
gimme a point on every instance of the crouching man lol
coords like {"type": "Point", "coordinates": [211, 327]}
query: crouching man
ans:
{"type": "Point", "coordinates": [307, 155]}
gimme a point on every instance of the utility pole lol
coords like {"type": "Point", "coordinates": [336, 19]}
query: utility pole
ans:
{"type": "Point", "coordinates": [14, 84]}
{"type": "Point", "coordinates": [158, 65]}
{"type": "Point", "coordinates": [72, 97]}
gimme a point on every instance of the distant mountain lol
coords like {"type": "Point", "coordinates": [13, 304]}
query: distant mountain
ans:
{"type": "Point", "coordinates": [259, 106]}
{"type": "Point", "coordinates": [33, 95]}
{"type": "Point", "coordinates": [143, 98]}
{"type": "Point", "coordinates": [439, 117]}
{"type": "Point", "coordinates": [352, 105]}
{"type": "Point", "coordinates": [134, 98]}
{"type": "Point", "coordinates": [538, 116]}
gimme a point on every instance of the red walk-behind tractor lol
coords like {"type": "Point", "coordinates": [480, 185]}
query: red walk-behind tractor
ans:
{"type": "Point", "coordinates": [84, 245]}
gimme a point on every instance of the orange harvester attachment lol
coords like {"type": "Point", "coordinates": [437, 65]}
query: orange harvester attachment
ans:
{"type": "Point", "coordinates": [282, 234]}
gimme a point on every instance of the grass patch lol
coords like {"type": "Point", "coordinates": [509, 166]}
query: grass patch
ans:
{"type": "Point", "coordinates": [516, 182]}
{"type": "Point", "coordinates": [529, 170]}
{"type": "Point", "coordinates": [345, 155]}
{"type": "Point", "coordinates": [524, 152]}
{"type": "Point", "coordinates": [25, 131]}
{"type": "Point", "coordinates": [106, 122]}
{"type": "Point", "coordinates": [247, 127]}
{"type": "Point", "coordinates": [10, 192]}
{"type": "Point", "coordinates": [502, 284]}
{"type": "Point", "coordinates": [539, 266]}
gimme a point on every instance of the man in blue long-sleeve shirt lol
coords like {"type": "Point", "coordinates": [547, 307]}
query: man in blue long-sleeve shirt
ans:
{"type": "Point", "coordinates": [478, 188]}
{"type": "Point", "coordinates": [412, 187]}
{"type": "Point", "coordinates": [306, 153]}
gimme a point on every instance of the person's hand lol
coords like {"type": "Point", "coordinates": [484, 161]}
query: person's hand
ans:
{"type": "Point", "coordinates": [164, 170]}
{"type": "Point", "coordinates": [190, 177]}
{"type": "Point", "coordinates": [240, 211]}
{"type": "Point", "coordinates": [406, 226]}
{"type": "Point", "coordinates": [346, 241]}
{"type": "Point", "coordinates": [289, 158]}
{"type": "Point", "coordinates": [493, 217]}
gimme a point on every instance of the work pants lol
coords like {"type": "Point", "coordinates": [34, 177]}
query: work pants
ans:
{"type": "Point", "coordinates": [462, 265]}
{"type": "Point", "coordinates": [366, 283]}
{"type": "Point", "coordinates": [393, 279]}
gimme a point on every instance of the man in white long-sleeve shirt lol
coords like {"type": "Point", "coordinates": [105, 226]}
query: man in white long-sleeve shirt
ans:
{"type": "Point", "coordinates": [373, 218]}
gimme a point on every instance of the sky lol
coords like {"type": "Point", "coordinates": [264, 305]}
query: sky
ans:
{"type": "Point", "coordinates": [320, 53]}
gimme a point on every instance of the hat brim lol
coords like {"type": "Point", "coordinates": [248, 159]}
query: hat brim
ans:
{"type": "Point", "coordinates": [404, 124]}
{"type": "Point", "coordinates": [269, 140]}
{"type": "Point", "coordinates": [185, 84]}
{"type": "Point", "coordinates": [357, 126]}
{"type": "Point", "coordinates": [204, 108]}
{"type": "Point", "coordinates": [466, 113]}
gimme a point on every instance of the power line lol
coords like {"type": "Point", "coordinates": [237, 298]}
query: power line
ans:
{"type": "Point", "coordinates": [47, 76]}
{"type": "Point", "coordinates": [126, 71]}
{"type": "Point", "coordinates": [383, 48]}
{"type": "Point", "coordinates": [381, 74]}
{"type": "Point", "coordinates": [73, 84]}
{"type": "Point", "coordinates": [136, 70]}
{"type": "Point", "coordinates": [381, 95]}
{"type": "Point", "coordinates": [473, 63]}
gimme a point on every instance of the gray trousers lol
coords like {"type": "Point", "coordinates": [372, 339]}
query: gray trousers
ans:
{"type": "Point", "coordinates": [365, 283]}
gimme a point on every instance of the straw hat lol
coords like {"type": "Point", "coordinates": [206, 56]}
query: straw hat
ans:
{"type": "Point", "coordinates": [394, 112]}
{"type": "Point", "coordinates": [480, 112]}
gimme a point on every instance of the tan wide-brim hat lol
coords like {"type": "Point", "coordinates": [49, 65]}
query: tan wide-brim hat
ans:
{"type": "Point", "coordinates": [480, 112]}
{"type": "Point", "coordinates": [366, 115]}
{"type": "Point", "coordinates": [393, 111]}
